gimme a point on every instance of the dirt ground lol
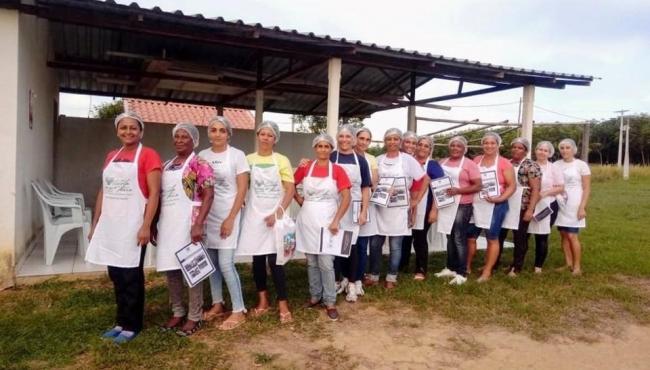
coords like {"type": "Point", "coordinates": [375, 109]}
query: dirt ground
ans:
{"type": "Point", "coordinates": [406, 340]}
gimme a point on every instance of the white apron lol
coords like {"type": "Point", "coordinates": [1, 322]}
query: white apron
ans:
{"type": "Point", "coordinates": [115, 240]}
{"type": "Point", "coordinates": [421, 209]}
{"type": "Point", "coordinates": [568, 213]}
{"type": "Point", "coordinates": [175, 224]}
{"type": "Point", "coordinates": [482, 208]}
{"type": "Point", "coordinates": [544, 226]}
{"type": "Point", "coordinates": [511, 221]}
{"type": "Point", "coordinates": [225, 192]}
{"type": "Point", "coordinates": [264, 196]}
{"type": "Point", "coordinates": [370, 227]}
{"type": "Point", "coordinates": [393, 221]}
{"type": "Point", "coordinates": [354, 174]}
{"type": "Point", "coordinates": [318, 209]}
{"type": "Point", "coordinates": [447, 215]}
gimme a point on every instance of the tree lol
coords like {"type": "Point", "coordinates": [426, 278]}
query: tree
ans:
{"type": "Point", "coordinates": [318, 124]}
{"type": "Point", "coordinates": [109, 110]}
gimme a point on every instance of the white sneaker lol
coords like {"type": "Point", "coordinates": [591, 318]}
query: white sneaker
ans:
{"type": "Point", "coordinates": [358, 286]}
{"type": "Point", "coordinates": [342, 286]}
{"type": "Point", "coordinates": [352, 293]}
{"type": "Point", "coordinates": [458, 280]}
{"type": "Point", "coordinates": [445, 273]}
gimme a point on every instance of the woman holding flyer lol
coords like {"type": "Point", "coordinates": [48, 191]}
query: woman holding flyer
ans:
{"type": "Point", "coordinates": [326, 189]}
{"type": "Point", "coordinates": [552, 185]}
{"type": "Point", "coordinates": [453, 196]}
{"type": "Point", "coordinates": [270, 193]}
{"type": "Point", "coordinates": [231, 175]}
{"type": "Point", "coordinates": [397, 171]}
{"type": "Point", "coordinates": [491, 203]}
{"type": "Point", "coordinates": [186, 198]}
{"type": "Point", "coordinates": [572, 213]}
{"type": "Point", "coordinates": [425, 214]}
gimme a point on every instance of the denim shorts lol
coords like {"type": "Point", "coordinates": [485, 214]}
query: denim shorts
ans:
{"type": "Point", "coordinates": [570, 230]}
{"type": "Point", "coordinates": [498, 215]}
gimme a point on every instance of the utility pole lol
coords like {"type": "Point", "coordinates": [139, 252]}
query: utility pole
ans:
{"type": "Point", "coordinates": [626, 162]}
{"type": "Point", "coordinates": [620, 137]}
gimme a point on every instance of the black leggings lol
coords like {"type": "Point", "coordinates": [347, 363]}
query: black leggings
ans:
{"type": "Point", "coordinates": [347, 267]}
{"type": "Point", "coordinates": [421, 246]}
{"type": "Point", "coordinates": [277, 272]}
{"type": "Point", "coordinates": [128, 283]}
{"type": "Point", "coordinates": [541, 240]}
{"type": "Point", "coordinates": [405, 260]}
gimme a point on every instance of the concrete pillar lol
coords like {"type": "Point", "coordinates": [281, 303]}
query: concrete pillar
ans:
{"type": "Point", "coordinates": [259, 110]}
{"type": "Point", "coordinates": [586, 131]}
{"type": "Point", "coordinates": [626, 161]}
{"type": "Point", "coordinates": [528, 102]}
{"type": "Point", "coordinates": [333, 91]}
{"type": "Point", "coordinates": [411, 123]}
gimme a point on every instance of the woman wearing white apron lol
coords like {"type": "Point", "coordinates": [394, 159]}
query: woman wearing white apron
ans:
{"type": "Point", "coordinates": [231, 183]}
{"type": "Point", "coordinates": [358, 172]}
{"type": "Point", "coordinates": [271, 191]}
{"type": "Point", "coordinates": [425, 214]}
{"type": "Point", "coordinates": [326, 190]}
{"type": "Point", "coordinates": [489, 212]}
{"type": "Point", "coordinates": [572, 213]}
{"type": "Point", "coordinates": [409, 146]}
{"type": "Point", "coordinates": [552, 185]}
{"type": "Point", "coordinates": [394, 222]}
{"type": "Point", "coordinates": [368, 231]}
{"type": "Point", "coordinates": [122, 222]}
{"type": "Point", "coordinates": [409, 143]}
{"type": "Point", "coordinates": [453, 220]}
{"type": "Point", "coordinates": [521, 204]}
{"type": "Point", "coordinates": [186, 198]}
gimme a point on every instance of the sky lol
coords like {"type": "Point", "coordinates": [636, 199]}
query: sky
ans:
{"type": "Point", "coordinates": [609, 40]}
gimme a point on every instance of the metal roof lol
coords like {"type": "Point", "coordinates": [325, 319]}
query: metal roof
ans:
{"type": "Point", "coordinates": [104, 48]}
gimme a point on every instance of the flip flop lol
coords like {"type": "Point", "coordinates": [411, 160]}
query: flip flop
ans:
{"type": "Point", "coordinates": [257, 312]}
{"type": "Point", "coordinates": [187, 333]}
{"type": "Point", "coordinates": [285, 317]}
{"type": "Point", "coordinates": [231, 325]}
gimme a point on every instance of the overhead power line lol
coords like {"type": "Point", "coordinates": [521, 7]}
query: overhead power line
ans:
{"type": "Point", "coordinates": [561, 114]}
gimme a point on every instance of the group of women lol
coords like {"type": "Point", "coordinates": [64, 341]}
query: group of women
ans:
{"type": "Point", "coordinates": [230, 202]}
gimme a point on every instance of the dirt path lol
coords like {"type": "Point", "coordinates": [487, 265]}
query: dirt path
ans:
{"type": "Point", "coordinates": [408, 341]}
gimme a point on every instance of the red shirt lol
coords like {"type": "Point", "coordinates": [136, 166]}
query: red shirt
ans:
{"type": "Point", "coordinates": [338, 173]}
{"type": "Point", "coordinates": [148, 161]}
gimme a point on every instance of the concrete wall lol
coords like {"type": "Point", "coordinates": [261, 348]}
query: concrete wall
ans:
{"type": "Point", "coordinates": [81, 145]}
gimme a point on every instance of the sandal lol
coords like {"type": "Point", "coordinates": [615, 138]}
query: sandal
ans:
{"type": "Point", "coordinates": [312, 304]}
{"type": "Point", "coordinates": [419, 277]}
{"type": "Point", "coordinates": [172, 324]}
{"type": "Point", "coordinates": [257, 312]}
{"type": "Point", "coordinates": [231, 324]}
{"type": "Point", "coordinates": [188, 332]}
{"type": "Point", "coordinates": [286, 317]}
{"type": "Point", "coordinates": [210, 315]}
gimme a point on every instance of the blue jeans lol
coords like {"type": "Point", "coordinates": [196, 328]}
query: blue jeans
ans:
{"type": "Point", "coordinates": [457, 240]}
{"type": "Point", "coordinates": [498, 215]}
{"type": "Point", "coordinates": [320, 270]}
{"type": "Point", "coordinates": [224, 263]}
{"type": "Point", "coordinates": [376, 244]}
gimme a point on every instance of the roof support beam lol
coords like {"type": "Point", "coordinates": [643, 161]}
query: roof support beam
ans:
{"type": "Point", "coordinates": [333, 94]}
{"type": "Point", "coordinates": [411, 121]}
{"type": "Point", "coordinates": [393, 82]}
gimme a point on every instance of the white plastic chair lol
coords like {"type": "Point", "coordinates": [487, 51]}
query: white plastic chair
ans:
{"type": "Point", "coordinates": [60, 216]}
{"type": "Point", "coordinates": [52, 191]}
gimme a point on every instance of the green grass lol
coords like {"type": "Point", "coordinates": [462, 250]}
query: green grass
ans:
{"type": "Point", "coordinates": [56, 324]}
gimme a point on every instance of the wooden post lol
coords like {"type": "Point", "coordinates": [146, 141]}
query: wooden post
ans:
{"type": "Point", "coordinates": [586, 131]}
{"type": "Point", "coordinates": [259, 111]}
{"type": "Point", "coordinates": [528, 103]}
{"type": "Point", "coordinates": [220, 111]}
{"type": "Point", "coordinates": [333, 91]}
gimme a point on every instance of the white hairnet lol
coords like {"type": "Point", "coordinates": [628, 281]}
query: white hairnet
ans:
{"type": "Point", "coordinates": [323, 137]}
{"type": "Point", "coordinates": [131, 115]}
{"type": "Point", "coordinates": [459, 139]}
{"type": "Point", "coordinates": [548, 145]}
{"type": "Point", "coordinates": [429, 140]}
{"type": "Point", "coordinates": [393, 131]}
{"type": "Point", "coordinates": [523, 141]}
{"type": "Point", "coordinates": [349, 129]}
{"type": "Point", "coordinates": [409, 135]}
{"type": "Point", "coordinates": [571, 142]}
{"type": "Point", "coordinates": [190, 129]}
{"type": "Point", "coordinates": [224, 121]}
{"type": "Point", "coordinates": [363, 129]}
{"type": "Point", "coordinates": [272, 126]}
{"type": "Point", "coordinates": [492, 134]}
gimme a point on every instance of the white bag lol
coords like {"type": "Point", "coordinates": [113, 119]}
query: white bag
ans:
{"type": "Point", "coordinates": [285, 238]}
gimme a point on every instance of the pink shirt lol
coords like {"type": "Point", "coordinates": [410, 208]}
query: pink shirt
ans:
{"type": "Point", "coordinates": [503, 166]}
{"type": "Point", "coordinates": [469, 171]}
{"type": "Point", "coordinates": [551, 176]}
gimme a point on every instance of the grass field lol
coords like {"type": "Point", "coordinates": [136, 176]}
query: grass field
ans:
{"type": "Point", "coordinates": [57, 323]}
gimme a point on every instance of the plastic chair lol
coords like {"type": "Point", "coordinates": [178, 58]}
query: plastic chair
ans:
{"type": "Point", "coordinates": [60, 216]}
{"type": "Point", "coordinates": [52, 191]}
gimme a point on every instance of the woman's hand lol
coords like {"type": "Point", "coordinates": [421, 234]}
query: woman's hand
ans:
{"type": "Point", "coordinates": [197, 233]}
{"type": "Point", "coordinates": [433, 216]}
{"type": "Point", "coordinates": [582, 213]}
{"type": "Point", "coordinates": [303, 162]}
{"type": "Point", "coordinates": [270, 219]}
{"type": "Point", "coordinates": [90, 234]}
{"type": "Point", "coordinates": [528, 215]}
{"type": "Point", "coordinates": [363, 218]}
{"type": "Point", "coordinates": [334, 227]}
{"type": "Point", "coordinates": [453, 191]}
{"type": "Point", "coordinates": [144, 236]}
{"type": "Point", "coordinates": [226, 227]}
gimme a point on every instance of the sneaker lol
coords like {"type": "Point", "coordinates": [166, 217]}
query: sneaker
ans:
{"type": "Point", "coordinates": [332, 313]}
{"type": "Point", "coordinates": [512, 273]}
{"type": "Point", "coordinates": [110, 334]}
{"type": "Point", "coordinates": [458, 280]}
{"type": "Point", "coordinates": [445, 273]}
{"type": "Point", "coordinates": [538, 270]}
{"type": "Point", "coordinates": [341, 286]}
{"type": "Point", "coordinates": [352, 293]}
{"type": "Point", "coordinates": [124, 337]}
{"type": "Point", "coordinates": [358, 286]}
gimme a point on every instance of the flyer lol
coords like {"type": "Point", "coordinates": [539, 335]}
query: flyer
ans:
{"type": "Point", "coordinates": [439, 188]}
{"type": "Point", "coordinates": [490, 184]}
{"type": "Point", "coordinates": [336, 245]}
{"type": "Point", "coordinates": [400, 196]}
{"type": "Point", "coordinates": [195, 263]}
{"type": "Point", "coordinates": [381, 195]}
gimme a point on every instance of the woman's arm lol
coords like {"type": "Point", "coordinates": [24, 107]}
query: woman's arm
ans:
{"type": "Point", "coordinates": [343, 207]}
{"type": "Point", "coordinates": [206, 203]}
{"type": "Point", "coordinates": [289, 191]}
{"type": "Point", "coordinates": [586, 192]}
{"type": "Point", "coordinates": [229, 222]}
{"type": "Point", "coordinates": [365, 200]}
{"type": "Point", "coordinates": [97, 213]}
{"type": "Point", "coordinates": [511, 186]}
{"type": "Point", "coordinates": [535, 184]}
{"type": "Point", "coordinates": [153, 184]}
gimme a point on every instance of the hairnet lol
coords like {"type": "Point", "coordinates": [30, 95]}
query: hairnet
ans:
{"type": "Point", "coordinates": [429, 140]}
{"type": "Point", "coordinates": [224, 121]}
{"type": "Point", "coordinates": [393, 131]}
{"type": "Point", "coordinates": [549, 147]}
{"type": "Point", "coordinates": [523, 141]}
{"type": "Point", "coordinates": [131, 115]}
{"type": "Point", "coordinates": [363, 129]}
{"type": "Point", "coordinates": [409, 135]}
{"type": "Point", "coordinates": [491, 134]}
{"type": "Point", "coordinates": [190, 129]}
{"type": "Point", "coordinates": [272, 126]}
{"type": "Point", "coordinates": [569, 141]}
{"type": "Point", "coordinates": [349, 129]}
{"type": "Point", "coordinates": [323, 137]}
{"type": "Point", "coordinates": [459, 139]}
